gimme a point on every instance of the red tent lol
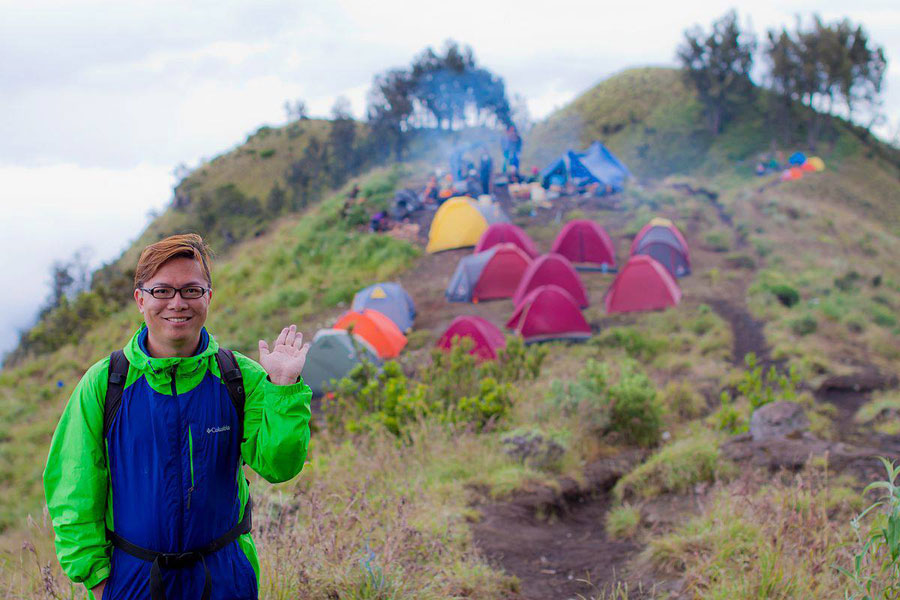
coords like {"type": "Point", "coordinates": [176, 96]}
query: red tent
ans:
{"type": "Point", "coordinates": [549, 313]}
{"type": "Point", "coordinates": [502, 274]}
{"type": "Point", "coordinates": [643, 284]}
{"type": "Point", "coordinates": [494, 273]}
{"type": "Point", "coordinates": [487, 337]}
{"type": "Point", "coordinates": [552, 269]}
{"type": "Point", "coordinates": [586, 244]}
{"type": "Point", "coordinates": [506, 233]}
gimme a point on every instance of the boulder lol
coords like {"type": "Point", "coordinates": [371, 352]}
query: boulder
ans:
{"type": "Point", "coordinates": [533, 448]}
{"type": "Point", "coordinates": [778, 419]}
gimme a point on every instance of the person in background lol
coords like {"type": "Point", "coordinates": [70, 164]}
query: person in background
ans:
{"type": "Point", "coordinates": [144, 479]}
{"type": "Point", "coordinates": [485, 166]}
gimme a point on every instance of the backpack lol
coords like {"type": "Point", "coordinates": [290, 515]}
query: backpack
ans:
{"type": "Point", "coordinates": [118, 373]}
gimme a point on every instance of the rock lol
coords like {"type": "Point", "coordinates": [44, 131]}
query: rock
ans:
{"type": "Point", "coordinates": [533, 448]}
{"type": "Point", "coordinates": [778, 419]}
{"type": "Point", "coordinates": [792, 453]}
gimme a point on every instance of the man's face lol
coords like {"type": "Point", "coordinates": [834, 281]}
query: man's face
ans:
{"type": "Point", "coordinates": [174, 324]}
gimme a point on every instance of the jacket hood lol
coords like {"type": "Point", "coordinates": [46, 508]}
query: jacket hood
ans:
{"type": "Point", "coordinates": [139, 359]}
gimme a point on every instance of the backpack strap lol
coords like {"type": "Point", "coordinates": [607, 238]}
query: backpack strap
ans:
{"type": "Point", "coordinates": [234, 382]}
{"type": "Point", "coordinates": [118, 373]}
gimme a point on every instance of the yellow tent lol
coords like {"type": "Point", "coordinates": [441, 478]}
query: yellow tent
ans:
{"type": "Point", "coordinates": [817, 163]}
{"type": "Point", "coordinates": [660, 222]}
{"type": "Point", "coordinates": [457, 223]}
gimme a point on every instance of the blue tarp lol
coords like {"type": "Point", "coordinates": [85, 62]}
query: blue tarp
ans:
{"type": "Point", "coordinates": [595, 165]}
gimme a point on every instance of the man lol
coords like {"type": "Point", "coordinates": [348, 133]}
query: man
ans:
{"type": "Point", "coordinates": [148, 500]}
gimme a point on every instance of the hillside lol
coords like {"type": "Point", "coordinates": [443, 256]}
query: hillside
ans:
{"type": "Point", "coordinates": [802, 274]}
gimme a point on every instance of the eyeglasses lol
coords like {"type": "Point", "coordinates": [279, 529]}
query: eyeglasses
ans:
{"type": "Point", "coordinates": [166, 292]}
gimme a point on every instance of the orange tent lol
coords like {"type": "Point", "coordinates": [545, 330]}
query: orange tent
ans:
{"type": "Point", "coordinates": [376, 329]}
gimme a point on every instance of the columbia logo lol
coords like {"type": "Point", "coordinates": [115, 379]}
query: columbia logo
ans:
{"type": "Point", "coordinates": [218, 429]}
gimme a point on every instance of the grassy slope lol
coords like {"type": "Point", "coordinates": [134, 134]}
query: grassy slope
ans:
{"type": "Point", "coordinates": [806, 234]}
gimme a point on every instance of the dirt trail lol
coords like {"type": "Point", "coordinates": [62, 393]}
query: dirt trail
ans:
{"type": "Point", "coordinates": [554, 540]}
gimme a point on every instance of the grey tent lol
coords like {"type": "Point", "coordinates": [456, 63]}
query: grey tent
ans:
{"type": "Point", "coordinates": [332, 355]}
{"type": "Point", "coordinates": [468, 272]}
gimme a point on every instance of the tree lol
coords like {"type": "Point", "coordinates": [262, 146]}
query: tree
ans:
{"type": "Point", "coordinates": [825, 67]}
{"type": "Point", "coordinates": [296, 110]}
{"type": "Point", "coordinates": [439, 90]}
{"type": "Point", "coordinates": [390, 107]}
{"type": "Point", "coordinates": [718, 66]}
{"type": "Point", "coordinates": [342, 138]}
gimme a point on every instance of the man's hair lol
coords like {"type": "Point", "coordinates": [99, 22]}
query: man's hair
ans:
{"type": "Point", "coordinates": [154, 256]}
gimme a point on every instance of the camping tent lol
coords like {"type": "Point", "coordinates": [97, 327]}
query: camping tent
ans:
{"type": "Point", "coordinates": [595, 165]}
{"type": "Point", "coordinates": [486, 336]}
{"type": "Point", "coordinates": [391, 300]}
{"type": "Point", "coordinates": [644, 284]}
{"type": "Point", "coordinates": [551, 269]}
{"type": "Point", "coordinates": [460, 221]}
{"type": "Point", "coordinates": [817, 163]}
{"type": "Point", "coordinates": [661, 239]}
{"type": "Point", "coordinates": [494, 273]}
{"type": "Point", "coordinates": [549, 313]}
{"type": "Point", "coordinates": [797, 158]}
{"type": "Point", "coordinates": [376, 329]}
{"type": "Point", "coordinates": [502, 233]}
{"type": "Point", "coordinates": [792, 174]}
{"type": "Point", "coordinates": [587, 246]}
{"type": "Point", "coordinates": [332, 355]}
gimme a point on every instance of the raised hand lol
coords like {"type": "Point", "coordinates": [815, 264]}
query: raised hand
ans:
{"type": "Point", "coordinates": [285, 361]}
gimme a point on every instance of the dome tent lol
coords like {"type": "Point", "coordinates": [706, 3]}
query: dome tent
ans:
{"type": "Point", "coordinates": [489, 275]}
{"type": "Point", "coordinates": [459, 222]}
{"type": "Point", "coordinates": [391, 300]}
{"type": "Point", "coordinates": [643, 284]}
{"type": "Point", "coordinates": [506, 233]}
{"type": "Point", "coordinates": [486, 337]}
{"type": "Point", "coordinates": [332, 355]}
{"type": "Point", "coordinates": [587, 246]}
{"type": "Point", "coordinates": [549, 313]}
{"type": "Point", "coordinates": [661, 239]}
{"type": "Point", "coordinates": [552, 269]}
{"type": "Point", "coordinates": [375, 328]}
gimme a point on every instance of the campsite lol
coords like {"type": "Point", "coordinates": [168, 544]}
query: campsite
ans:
{"type": "Point", "coordinates": [635, 349]}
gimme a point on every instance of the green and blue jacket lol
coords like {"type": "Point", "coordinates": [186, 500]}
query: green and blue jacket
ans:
{"type": "Point", "coordinates": [168, 476]}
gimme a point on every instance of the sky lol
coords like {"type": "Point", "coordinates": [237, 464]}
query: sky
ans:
{"type": "Point", "coordinates": [102, 100]}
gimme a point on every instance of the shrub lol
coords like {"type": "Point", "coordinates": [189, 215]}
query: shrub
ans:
{"type": "Point", "coordinates": [740, 261]}
{"type": "Point", "coordinates": [787, 295]}
{"type": "Point", "coordinates": [676, 468]}
{"type": "Point", "coordinates": [627, 404]}
{"type": "Point", "coordinates": [267, 153]}
{"type": "Point", "coordinates": [717, 240]}
{"type": "Point", "coordinates": [728, 418]}
{"type": "Point", "coordinates": [804, 325]}
{"type": "Point", "coordinates": [682, 401]}
{"type": "Point", "coordinates": [634, 409]}
{"type": "Point", "coordinates": [456, 389]}
{"type": "Point", "coordinates": [636, 343]}
{"type": "Point", "coordinates": [760, 390]}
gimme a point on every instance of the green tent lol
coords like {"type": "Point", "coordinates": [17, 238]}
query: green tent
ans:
{"type": "Point", "coordinates": [332, 355]}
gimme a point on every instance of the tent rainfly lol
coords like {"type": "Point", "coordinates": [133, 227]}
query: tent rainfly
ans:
{"type": "Point", "coordinates": [488, 275]}
{"type": "Point", "coordinates": [549, 313]}
{"type": "Point", "coordinates": [644, 284]}
{"type": "Point", "coordinates": [460, 221]}
{"type": "Point", "coordinates": [552, 269]}
{"type": "Point", "coordinates": [391, 300]}
{"type": "Point", "coordinates": [506, 233]}
{"type": "Point", "coordinates": [376, 329]}
{"type": "Point", "coordinates": [587, 246]}
{"type": "Point", "coordinates": [486, 337]}
{"type": "Point", "coordinates": [332, 355]}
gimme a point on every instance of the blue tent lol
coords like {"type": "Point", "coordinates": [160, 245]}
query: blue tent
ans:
{"type": "Point", "coordinates": [797, 158]}
{"type": "Point", "coordinates": [595, 165]}
{"type": "Point", "coordinates": [391, 300]}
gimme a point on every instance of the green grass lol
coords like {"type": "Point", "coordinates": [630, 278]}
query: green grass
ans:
{"type": "Point", "coordinates": [675, 468]}
{"type": "Point", "coordinates": [622, 522]}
